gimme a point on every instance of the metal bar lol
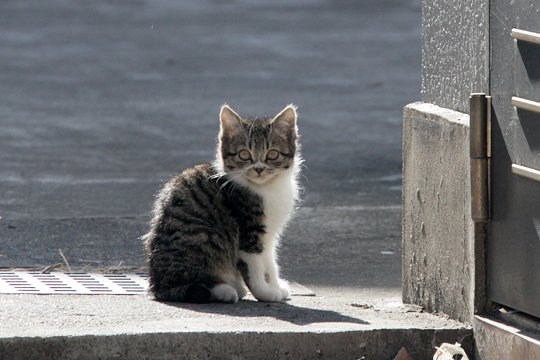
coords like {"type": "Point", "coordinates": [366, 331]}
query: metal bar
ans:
{"type": "Point", "coordinates": [479, 190]}
{"type": "Point", "coordinates": [488, 153]}
{"type": "Point", "coordinates": [478, 126]}
{"type": "Point", "coordinates": [479, 157]}
{"type": "Point", "coordinates": [488, 127]}
{"type": "Point", "coordinates": [525, 35]}
{"type": "Point", "coordinates": [527, 172]}
{"type": "Point", "coordinates": [525, 104]}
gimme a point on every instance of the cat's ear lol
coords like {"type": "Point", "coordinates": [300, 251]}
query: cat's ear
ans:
{"type": "Point", "coordinates": [286, 120]}
{"type": "Point", "coordinates": [230, 121]}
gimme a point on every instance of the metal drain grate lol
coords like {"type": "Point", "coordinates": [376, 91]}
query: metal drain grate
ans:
{"type": "Point", "coordinates": [77, 283]}
{"type": "Point", "coordinates": [21, 282]}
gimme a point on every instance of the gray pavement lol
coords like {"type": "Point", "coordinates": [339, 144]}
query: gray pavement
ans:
{"type": "Point", "coordinates": [101, 102]}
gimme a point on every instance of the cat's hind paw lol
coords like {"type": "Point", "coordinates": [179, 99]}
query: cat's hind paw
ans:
{"type": "Point", "coordinates": [224, 293]}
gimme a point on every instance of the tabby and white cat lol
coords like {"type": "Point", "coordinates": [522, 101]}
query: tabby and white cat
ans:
{"type": "Point", "coordinates": [216, 226]}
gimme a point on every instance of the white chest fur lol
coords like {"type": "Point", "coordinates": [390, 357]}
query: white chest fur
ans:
{"type": "Point", "coordinates": [279, 198]}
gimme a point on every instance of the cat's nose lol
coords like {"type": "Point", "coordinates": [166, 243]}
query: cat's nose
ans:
{"type": "Point", "coordinates": [258, 169]}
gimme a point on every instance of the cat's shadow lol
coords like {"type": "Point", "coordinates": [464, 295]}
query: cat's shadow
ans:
{"type": "Point", "coordinates": [283, 311]}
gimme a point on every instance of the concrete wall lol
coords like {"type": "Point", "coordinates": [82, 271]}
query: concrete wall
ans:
{"type": "Point", "coordinates": [443, 249]}
{"type": "Point", "coordinates": [443, 252]}
{"type": "Point", "coordinates": [455, 51]}
{"type": "Point", "coordinates": [438, 233]}
{"type": "Point", "coordinates": [494, 340]}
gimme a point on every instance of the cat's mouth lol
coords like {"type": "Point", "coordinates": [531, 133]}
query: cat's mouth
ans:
{"type": "Point", "coordinates": [259, 178]}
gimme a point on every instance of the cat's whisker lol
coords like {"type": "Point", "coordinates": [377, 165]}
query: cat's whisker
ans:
{"type": "Point", "coordinates": [232, 179]}
{"type": "Point", "coordinates": [301, 164]}
{"type": "Point", "coordinates": [217, 176]}
{"type": "Point", "coordinates": [235, 183]}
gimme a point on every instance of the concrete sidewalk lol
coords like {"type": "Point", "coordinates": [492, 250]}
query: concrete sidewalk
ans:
{"type": "Point", "coordinates": [335, 324]}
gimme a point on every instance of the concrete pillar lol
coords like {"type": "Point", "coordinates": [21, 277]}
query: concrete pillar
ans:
{"type": "Point", "coordinates": [442, 247]}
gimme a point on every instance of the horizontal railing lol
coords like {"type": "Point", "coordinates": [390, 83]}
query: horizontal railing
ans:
{"type": "Point", "coordinates": [527, 36]}
{"type": "Point", "coordinates": [525, 171]}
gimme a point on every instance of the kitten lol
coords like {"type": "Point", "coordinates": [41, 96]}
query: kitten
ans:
{"type": "Point", "coordinates": [216, 226]}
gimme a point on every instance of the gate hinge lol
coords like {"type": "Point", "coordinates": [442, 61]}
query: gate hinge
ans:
{"type": "Point", "coordinates": [480, 154]}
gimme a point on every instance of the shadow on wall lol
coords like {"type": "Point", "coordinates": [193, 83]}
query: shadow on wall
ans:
{"type": "Point", "coordinates": [530, 53]}
{"type": "Point", "coordinates": [530, 122]}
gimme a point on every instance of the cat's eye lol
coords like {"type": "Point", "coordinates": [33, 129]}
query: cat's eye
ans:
{"type": "Point", "coordinates": [244, 155]}
{"type": "Point", "coordinates": [272, 155]}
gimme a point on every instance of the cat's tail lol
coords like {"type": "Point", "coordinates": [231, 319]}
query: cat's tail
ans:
{"type": "Point", "coordinates": [192, 293]}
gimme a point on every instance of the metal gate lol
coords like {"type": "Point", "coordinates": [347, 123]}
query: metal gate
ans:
{"type": "Point", "coordinates": [513, 246]}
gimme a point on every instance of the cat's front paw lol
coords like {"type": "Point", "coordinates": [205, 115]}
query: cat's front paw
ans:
{"type": "Point", "coordinates": [267, 293]}
{"type": "Point", "coordinates": [284, 287]}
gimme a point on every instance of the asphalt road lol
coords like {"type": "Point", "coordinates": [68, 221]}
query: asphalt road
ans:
{"type": "Point", "coordinates": [100, 102]}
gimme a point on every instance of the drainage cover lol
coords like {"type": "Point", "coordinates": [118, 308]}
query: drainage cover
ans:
{"type": "Point", "coordinates": [26, 282]}
{"type": "Point", "coordinates": [22, 282]}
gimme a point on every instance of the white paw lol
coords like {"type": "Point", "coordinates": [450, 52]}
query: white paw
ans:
{"type": "Point", "coordinates": [224, 293]}
{"type": "Point", "coordinates": [284, 287]}
{"type": "Point", "coordinates": [242, 291]}
{"type": "Point", "coordinates": [267, 293]}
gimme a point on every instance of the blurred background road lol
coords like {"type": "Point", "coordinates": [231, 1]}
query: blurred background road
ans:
{"type": "Point", "coordinates": [101, 102]}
